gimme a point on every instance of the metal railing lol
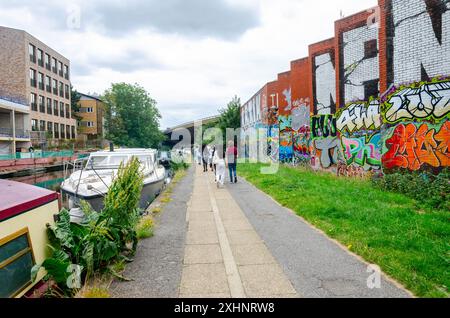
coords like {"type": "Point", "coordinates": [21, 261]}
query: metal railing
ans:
{"type": "Point", "coordinates": [39, 155]}
{"type": "Point", "coordinates": [6, 132]}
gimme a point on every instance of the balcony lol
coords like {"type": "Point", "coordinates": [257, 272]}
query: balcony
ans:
{"type": "Point", "coordinates": [23, 134]}
{"type": "Point", "coordinates": [6, 133]}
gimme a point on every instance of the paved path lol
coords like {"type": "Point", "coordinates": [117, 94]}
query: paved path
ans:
{"type": "Point", "coordinates": [238, 242]}
{"type": "Point", "coordinates": [224, 256]}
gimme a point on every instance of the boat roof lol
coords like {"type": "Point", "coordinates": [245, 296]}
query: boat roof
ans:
{"type": "Point", "coordinates": [17, 198]}
{"type": "Point", "coordinates": [137, 151]}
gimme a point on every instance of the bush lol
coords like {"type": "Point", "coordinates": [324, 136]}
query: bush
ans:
{"type": "Point", "coordinates": [429, 189]}
{"type": "Point", "coordinates": [103, 238]}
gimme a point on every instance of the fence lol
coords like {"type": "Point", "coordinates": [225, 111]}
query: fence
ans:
{"type": "Point", "coordinates": [38, 155]}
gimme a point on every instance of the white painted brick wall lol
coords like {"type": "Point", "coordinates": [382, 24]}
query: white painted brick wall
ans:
{"type": "Point", "coordinates": [416, 43]}
{"type": "Point", "coordinates": [325, 83]}
{"type": "Point", "coordinates": [353, 52]}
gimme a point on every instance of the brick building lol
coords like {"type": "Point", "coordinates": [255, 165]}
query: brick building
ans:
{"type": "Point", "coordinates": [91, 112]}
{"type": "Point", "coordinates": [36, 75]}
{"type": "Point", "coordinates": [375, 96]}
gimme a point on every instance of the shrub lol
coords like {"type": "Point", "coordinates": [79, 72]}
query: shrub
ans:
{"type": "Point", "coordinates": [102, 238]}
{"type": "Point", "coordinates": [429, 189]}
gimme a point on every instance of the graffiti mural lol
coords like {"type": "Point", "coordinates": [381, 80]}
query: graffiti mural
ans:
{"type": "Point", "coordinates": [273, 145]}
{"type": "Point", "coordinates": [358, 116]}
{"type": "Point", "coordinates": [362, 151]}
{"type": "Point", "coordinates": [323, 126]}
{"type": "Point", "coordinates": [327, 151]}
{"type": "Point", "coordinates": [410, 146]}
{"type": "Point", "coordinates": [325, 88]}
{"type": "Point", "coordinates": [429, 101]}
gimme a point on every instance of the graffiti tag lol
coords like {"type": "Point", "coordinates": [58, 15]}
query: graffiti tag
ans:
{"type": "Point", "coordinates": [359, 116]}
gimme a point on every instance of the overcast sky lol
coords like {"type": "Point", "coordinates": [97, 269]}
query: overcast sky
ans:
{"type": "Point", "coordinates": [192, 56]}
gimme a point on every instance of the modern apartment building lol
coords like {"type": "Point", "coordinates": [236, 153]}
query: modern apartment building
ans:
{"type": "Point", "coordinates": [36, 75]}
{"type": "Point", "coordinates": [92, 117]}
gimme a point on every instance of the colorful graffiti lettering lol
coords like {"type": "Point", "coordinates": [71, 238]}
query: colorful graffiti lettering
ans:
{"type": "Point", "coordinates": [413, 145]}
{"type": "Point", "coordinates": [361, 151]}
{"type": "Point", "coordinates": [302, 143]}
{"type": "Point", "coordinates": [323, 126]}
{"type": "Point", "coordinates": [359, 116]}
{"type": "Point", "coordinates": [327, 149]}
{"type": "Point", "coordinates": [429, 101]}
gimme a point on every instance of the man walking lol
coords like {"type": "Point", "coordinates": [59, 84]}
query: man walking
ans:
{"type": "Point", "coordinates": [231, 157]}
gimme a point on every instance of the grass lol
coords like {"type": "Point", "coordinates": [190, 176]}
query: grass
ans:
{"type": "Point", "coordinates": [411, 243]}
{"type": "Point", "coordinates": [145, 228]}
{"type": "Point", "coordinates": [96, 292]}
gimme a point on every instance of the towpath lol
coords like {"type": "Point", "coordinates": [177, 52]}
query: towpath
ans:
{"type": "Point", "coordinates": [238, 242]}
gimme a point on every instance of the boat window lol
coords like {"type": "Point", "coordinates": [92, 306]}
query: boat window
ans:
{"type": "Point", "coordinates": [97, 162]}
{"type": "Point", "coordinates": [117, 160]}
{"type": "Point", "coordinates": [144, 160]}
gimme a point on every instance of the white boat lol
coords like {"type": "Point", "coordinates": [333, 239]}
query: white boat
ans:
{"type": "Point", "coordinates": [90, 182]}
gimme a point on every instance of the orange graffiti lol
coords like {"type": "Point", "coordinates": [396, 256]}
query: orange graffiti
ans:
{"type": "Point", "coordinates": [410, 147]}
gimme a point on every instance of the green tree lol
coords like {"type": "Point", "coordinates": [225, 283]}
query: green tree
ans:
{"type": "Point", "coordinates": [132, 119]}
{"type": "Point", "coordinates": [230, 117]}
{"type": "Point", "coordinates": [74, 103]}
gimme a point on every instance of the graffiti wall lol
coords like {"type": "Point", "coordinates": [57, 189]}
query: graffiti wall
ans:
{"type": "Point", "coordinates": [417, 128]}
{"type": "Point", "coordinates": [325, 84]}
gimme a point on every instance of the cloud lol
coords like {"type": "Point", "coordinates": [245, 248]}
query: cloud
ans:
{"type": "Point", "coordinates": [193, 18]}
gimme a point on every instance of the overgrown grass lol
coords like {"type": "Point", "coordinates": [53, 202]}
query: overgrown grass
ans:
{"type": "Point", "coordinates": [409, 242]}
{"type": "Point", "coordinates": [145, 228]}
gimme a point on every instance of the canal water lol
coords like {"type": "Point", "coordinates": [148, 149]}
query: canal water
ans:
{"type": "Point", "coordinates": [48, 180]}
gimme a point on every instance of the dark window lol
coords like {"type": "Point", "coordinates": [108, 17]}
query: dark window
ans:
{"type": "Point", "coordinates": [41, 104]}
{"type": "Point", "coordinates": [66, 72]}
{"type": "Point", "coordinates": [56, 134]}
{"type": "Point", "coordinates": [41, 81]}
{"type": "Point", "coordinates": [67, 131]}
{"type": "Point", "coordinates": [47, 62]}
{"type": "Point", "coordinates": [63, 135]}
{"type": "Point", "coordinates": [60, 69]}
{"type": "Point", "coordinates": [49, 106]}
{"type": "Point", "coordinates": [55, 108]}
{"type": "Point", "coordinates": [32, 77]}
{"type": "Point", "coordinates": [32, 52]}
{"type": "Point", "coordinates": [42, 125]}
{"type": "Point", "coordinates": [67, 91]}
{"type": "Point", "coordinates": [40, 58]}
{"type": "Point", "coordinates": [73, 132]}
{"type": "Point", "coordinates": [61, 109]}
{"type": "Point", "coordinates": [371, 89]}
{"type": "Point", "coordinates": [33, 102]}
{"type": "Point", "coordinates": [61, 89]}
{"type": "Point", "coordinates": [50, 127]}
{"type": "Point", "coordinates": [54, 66]}
{"type": "Point", "coordinates": [48, 86]}
{"type": "Point", "coordinates": [55, 86]}
{"type": "Point", "coordinates": [34, 125]}
{"type": "Point", "coordinates": [370, 49]}
{"type": "Point", "coordinates": [67, 111]}
{"type": "Point", "coordinates": [16, 261]}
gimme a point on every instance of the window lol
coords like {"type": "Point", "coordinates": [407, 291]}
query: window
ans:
{"type": "Point", "coordinates": [33, 104]}
{"type": "Point", "coordinates": [61, 109]}
{"type": "Point", "coordinates": [47, 62]}
{"type": "Point", "coordinates": [73, 132]}
{"type": "Point", "coordinates": [67, 91]}
{"type": "Point", "coordinates": [89, 109]}
{"type": "Point", "coordinates": [61, 89]}
{"type": "Point", "coordinates": [32, 52]}
{"type": "Point", "coordinates": [371, 89]}
{"type": "Point", "coordinates": [34, 125]}
{"type": "Point", "coordinates": [55, 108]}
{"type": "Point", "coordinates": [32, 77]}
{"type": "Point", "coordinates": [56, 133]}
{"type": "Point", "coordinates": [55, 86]}
{"type": "Point", "coordinates": [60, 69]}
{"type": "Point", "coordinates": [16, 261]}
{"type": "Point", "coordinates": [41, 104]}
{"type": "Point", "coordinates": [370, 49]}
{"type": "Point", "coordinates": [90, 124]}
{"type": "Point", "coordinates": [66, 72]}
{"type": "Point", "coordinates": [49, 106]}
{"type": "Point", "coordinates": [48, 86]}
{"type": "Point", "coordinates": [40, 58]}
{"type": "Point", "coordinates": [50, 127]}
{"type": "Point", "coordinates": [67, 111]}
{"type": "Point", "coordinates": [42, 125]}
{"type": "Point", "coordinates": [54, 70]}
{"type": "Point", "coordinates": [63, 135]}
{"type": "Point", "coordinates": [41, 81]}
{"type": "Point", "coordinates": [67, 131]}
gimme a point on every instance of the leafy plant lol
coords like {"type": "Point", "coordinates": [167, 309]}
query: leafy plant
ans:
{"type": "Point", "coordinates": [102, 238]}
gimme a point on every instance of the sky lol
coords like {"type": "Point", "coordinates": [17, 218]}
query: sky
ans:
{"type": "Point", "coordinates": [192, 56]}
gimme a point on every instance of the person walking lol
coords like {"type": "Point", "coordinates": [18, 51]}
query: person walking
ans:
{"type": "Point", "coordinates": [220, 169]}
{"type": "Point", "coordinates": [231, 158]}
{"type": "Point", "coordinates": [205, 156]}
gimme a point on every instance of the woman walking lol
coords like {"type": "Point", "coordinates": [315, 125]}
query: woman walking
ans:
{"type": "Point", "coordinates": [231, 157]}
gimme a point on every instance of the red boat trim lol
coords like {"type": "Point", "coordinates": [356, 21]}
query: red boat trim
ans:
{"type": "Point", "coordinates": [27, 206]}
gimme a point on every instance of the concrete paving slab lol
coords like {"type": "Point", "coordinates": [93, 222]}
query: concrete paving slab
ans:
{"type": "Point", "coordinates": [253, 254]}
{"type": "Point", "coordinates": [203, 254]}
{"type": "Point", "coordinates": [243, 237]}
{"type": "Point", "coordinates": [204, 279]}
{"type": "Point", "coordinates": [205, 237]}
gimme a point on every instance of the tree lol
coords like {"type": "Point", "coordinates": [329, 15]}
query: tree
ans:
{"type": "Point", "coordinates": [230, 117]}
{"type": "Point", "coordinates": [132, 119]}
{"type": "Point", "coordinates": [74, 103]}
